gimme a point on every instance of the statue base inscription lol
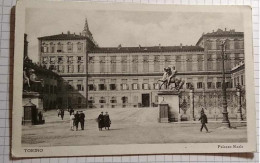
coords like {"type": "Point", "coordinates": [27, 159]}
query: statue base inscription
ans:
{"type": "Point", "coordinates": [172, 99]}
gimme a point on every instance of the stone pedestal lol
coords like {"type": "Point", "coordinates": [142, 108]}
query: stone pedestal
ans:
{"type": "Point", "coordinates": [33, 104]}
{"type": "Point", "coordinates": [172, 99]}
{"type": "Point", "coordinates": [163, 112]}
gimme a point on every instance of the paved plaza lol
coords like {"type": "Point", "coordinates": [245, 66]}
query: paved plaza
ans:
{"type": "Point", "coordinates": [129, 126]}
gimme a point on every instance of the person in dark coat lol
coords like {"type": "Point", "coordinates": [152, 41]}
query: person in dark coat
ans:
{"type": "Point", "coordinates": [107, 121]}
{"type": "Point", "coordinates": [40, 117]}
{"type": "Point", "coordinates": [100, 121]}
{"type": "Point", "coordinates": [82, 120]}
{"type": "Point", "coordinates": [76, 120]}
{"type": "Point", "coordinates": [71, 110]}
{"type": "Point", "coordinates": [62, 113]}
{"type": "Point", "coordinates": [203, 119]}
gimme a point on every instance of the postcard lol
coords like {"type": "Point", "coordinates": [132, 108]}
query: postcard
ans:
{"type": "Point", "coordinates": [98, 79]}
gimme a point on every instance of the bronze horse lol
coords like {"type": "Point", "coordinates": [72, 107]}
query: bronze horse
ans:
{"type": "Point", "coordinates": [178, 83]}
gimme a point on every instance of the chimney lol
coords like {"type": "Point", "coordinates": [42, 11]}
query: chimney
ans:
{"type": "Point", "coordinates": [68, 32]}
{"type": "Point", "coordinates": [61, 32]}
{"type": "Point", "coordinates": [160, 46]}
{"type": "Point", "coordinates": [74, 33]}
{"type": "Point", "coordinates": [139, 46]}
{"type": "Point", "coordinates": [225, 29]}
{"type": "Point", "coordinates": [119, 46]}
{"type": "Point", "coordinates": [181, 45]}
{"type": "Point", "coordinates": [80, 33]}
{"type": "Point", "coordinates": [212, 31]}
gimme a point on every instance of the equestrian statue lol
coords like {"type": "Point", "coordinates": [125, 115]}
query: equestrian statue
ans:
{"type": "Point", "coordinates": [169, 80]}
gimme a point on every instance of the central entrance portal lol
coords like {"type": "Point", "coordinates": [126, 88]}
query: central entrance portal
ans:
{"type": "Point", "coordinates": [145, 100]}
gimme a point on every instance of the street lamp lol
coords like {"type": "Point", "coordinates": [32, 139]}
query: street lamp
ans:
{"type": "Point", "coordinates": [225, 120]}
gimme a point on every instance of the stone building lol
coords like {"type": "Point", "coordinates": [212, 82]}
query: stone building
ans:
{"type": "Point", "coordinates": [121, 76]}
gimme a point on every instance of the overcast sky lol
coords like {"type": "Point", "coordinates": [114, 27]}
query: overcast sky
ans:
{"type": "Point", "coordinates": [111, 28]}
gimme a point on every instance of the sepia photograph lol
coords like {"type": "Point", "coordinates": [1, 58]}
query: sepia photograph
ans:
{"type": "Point", "coordinates": [99, 75]}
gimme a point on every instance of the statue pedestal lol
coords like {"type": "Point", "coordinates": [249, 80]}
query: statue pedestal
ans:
{"type": "Point", "coordinates": [35, 98]}
{"type": "Point", "coordinates": [172, 99]}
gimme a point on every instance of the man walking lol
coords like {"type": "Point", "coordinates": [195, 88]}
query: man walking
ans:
{"type": "Point", "coordinates": [82, 119]}
{"type": "Point", "coordinates": [62, 113]}
{"type": "Point", "coordinates": [203, 119]}
{"type": "Point", "coordinates": [76, 120]}
{"type": "Point", "coordinates": [107, 121]}
{"type": "Point", "coordinates": [100, 121]}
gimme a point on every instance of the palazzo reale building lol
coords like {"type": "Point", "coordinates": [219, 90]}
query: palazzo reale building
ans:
{"type": "Point", "coordinates": [118, 77]}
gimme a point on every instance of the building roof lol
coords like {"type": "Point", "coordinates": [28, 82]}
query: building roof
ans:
{"type": "Point", "coordinates": [63, 36]}
{"type": "Point", "coordinates": [146, 49]}
{"type": "Point", "coordinates": [221, 33]}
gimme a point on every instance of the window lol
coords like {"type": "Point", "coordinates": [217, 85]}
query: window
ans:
{"type": "Point", "coordinates": [156, 86]}
{"type": "Point", "coordinates": [52, 46]}
{"type": "Point", "coordinates": [145, 86]}
{"type": "Point", "coordinates": [218, 45]}
{"type": "Point", "coordinates": [52, 60]}
{"type": "Point", "coordinates": [80, 86]}
{"type": "Point", "coordinates": [135, 86]}
{"type": "Point", "coordinates": [113, 99]}
{"type": "Point", "coordinates": [70, 84]}
{"type": "Point", "coordinates": [113, 64]}
{"type": "Point", "coordinates": [124, 63]}
{"type": "Point", "coordinates": [52, 67]}
{"type": "Point", "coordinates": [69, 47]}
{"type": "Point", "coordinates": [91, 87]}
{"type": "Point", "coordinates": [45, 48]}
{"type": "Point", "coordinates": [145, 63]}
{"type": "Point", "coordinates": [200, 62]}
{"type": "Point", "coordinates": [80, 68]}
{"type": "Point", "coordinates": [70, 68]}
{"type": "Point", "coordinates": [236, 44]}
{"type": "Point", "coordinates": [60, 60]}
{"type": "Point", "coordinates": [112, 86]}
{"type": "Point", "coordinates": [167, 60]}
{"type": "Point", "coordinates": [219, 61]}
{"type": "Point", "coordinates": [45, 60]}
{"type": "Point", "coordinates": [178, 63]}
{"type": "Point", "coordinates": [209, 44]}
{"type": "Point", "coordinates": [135, 63]}
{"type": "Point", "coordinates": [70, 59]}
{"type": "Point", "coordinates": [101, 87]}
{"type": "Point", "coordinates": [102, 100]}
{"type": "Point", "coordinates": [124, 86]}
{"type": "Point", "coordinates": [91, 64]}
{"type": "Point", "coordinates": [199, 85]}
{"type": "Point", "coordinates": [218, 85]}
{"type": "Point", "coordinates": [210, 62]}
{"type": "Point", "coordinates": [124, 100]}
{"type": "Point", "coordinates": [188, 85]}
{"type": "Point", "coordinates": [102, 63]}
{"type": "Point", "coordinates": [59, 47]}
{"type": "Point", "coordinates": [188, 63]}
{"type": "Point", "coordinates": [80, 59]}
{"type": "Point", "coordinates": [156, 64]}
{"type": "Point", "coordinates": [210, 85]}
{"type": "Point", "coordinates": [79, 47]}
{"type": "Point", "coordinates": [228, 44]}
{"type": "Point", "coordinates": [91, 100]}
{"type": "Point", "coordinates": [61, 68]}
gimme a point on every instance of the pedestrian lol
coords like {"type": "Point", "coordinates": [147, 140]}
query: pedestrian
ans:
{"type": "Point", "coordinates": [62, 113]}
{"type": "Point", "coordinates": [100, 121]}
{"type": "Point", "coordinates": [203, 119]}
{"type": "Point", "coordinates": [72, 119]}
{"type": "Point", "coordinates": [107, 121]}
{"type": "Point", "coordinates": [82, 119]}
{"type": "Point", "coordinates": [40, 117]}
{"type": "Point", "coordinates": [71, 110]}
{"type": "Point", "coordinates": [77, 120]}
{"type": "Point", "coordinates": [58, 111]}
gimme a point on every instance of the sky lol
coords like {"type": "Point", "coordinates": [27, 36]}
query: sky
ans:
{"type": "Point", "coordinates": [111, 28]}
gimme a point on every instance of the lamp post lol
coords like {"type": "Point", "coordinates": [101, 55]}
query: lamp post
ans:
{"type": "Point", "coordinates": [225, 120]}
{"type": "Point", "coordinates": [239, 110]}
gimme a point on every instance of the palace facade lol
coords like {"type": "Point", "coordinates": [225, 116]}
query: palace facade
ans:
{"type": "Point", "coordinates": [118, 77]}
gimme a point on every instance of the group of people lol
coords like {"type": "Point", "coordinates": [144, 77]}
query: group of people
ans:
{"type": "Point", "coordinates": [103, 121]}
{"type": "Point", "coordinates": [75, 119]}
